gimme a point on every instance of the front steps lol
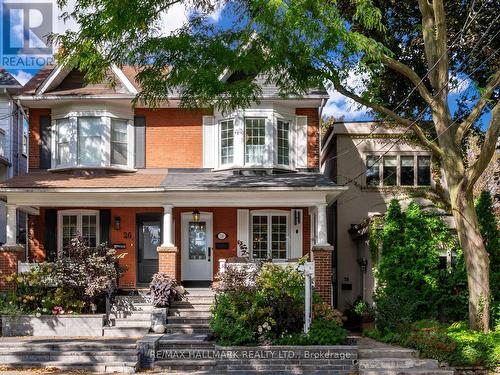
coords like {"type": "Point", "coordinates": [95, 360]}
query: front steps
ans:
{"type": "Point", "coordinates": [186, 333]}
{"type": "Point", "coordinates": [100, 355]}
{"type": "Point", "coordinates": [130, 316]}
{"type": "Point", "coordinates": [380, 359]}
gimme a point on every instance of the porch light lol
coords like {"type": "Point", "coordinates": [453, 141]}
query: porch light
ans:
{"type": "Point", "coordinates": [117, 222]}
{"type": "Point", "coordinates": [196, 215]}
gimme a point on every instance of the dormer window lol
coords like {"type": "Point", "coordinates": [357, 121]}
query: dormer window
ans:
{"type": "Point", "coordinates": [90, 141]}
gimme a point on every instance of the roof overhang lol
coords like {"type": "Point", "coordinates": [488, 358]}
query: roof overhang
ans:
{"type": "Point", "coordinates": [155, 197]}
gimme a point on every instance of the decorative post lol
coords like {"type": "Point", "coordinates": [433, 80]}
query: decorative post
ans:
{"type": "Point", "coordinates": [168, 254]}
{"type": "Point", "coordinates": [308, 274]}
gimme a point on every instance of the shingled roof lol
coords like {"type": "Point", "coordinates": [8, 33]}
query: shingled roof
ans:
{"type": "Point", "coordinates": [8, 80]}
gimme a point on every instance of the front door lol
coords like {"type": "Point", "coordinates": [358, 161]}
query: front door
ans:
{"type": "Point", "coordinates": [149, 237]}
{"type": "Point", "coordinates": [197, 254]}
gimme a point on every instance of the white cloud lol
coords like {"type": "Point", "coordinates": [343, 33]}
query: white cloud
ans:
{"type": "Point", "coordinates": [459, 83]}
{"type": "Point", "coordinates": [172, 19]}
{"type": "Point", "coordinates": [343, 108]}
{"type": "Point", "coordinates": [22, 77]}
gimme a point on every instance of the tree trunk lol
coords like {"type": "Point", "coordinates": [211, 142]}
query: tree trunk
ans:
{"type": "Point", "coordinates": [476, 258]}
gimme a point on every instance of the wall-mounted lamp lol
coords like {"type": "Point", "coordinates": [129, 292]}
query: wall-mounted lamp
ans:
{"type": "Point", "coordinates": [117, 222]}
{"type": "Point", "coordinates": [196, 215]}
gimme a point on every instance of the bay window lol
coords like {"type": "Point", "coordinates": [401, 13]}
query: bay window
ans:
{"type": "Point", "coordinates": [119, 142]}
{"type": "Point", "coordinates": [398, 170]}
{"type": "Point", "coordinates": [92, 141]}
{"type": "Point", "coordinates": [255, 140]}
{"type": "Point", "coordinates": [269, 235]}
{"type": "Point", "coordinates": [283, 142]}
{"type": "Point", "coordinates": [72, 223]}
{"type": "Point", "coordinates": [226, 142]}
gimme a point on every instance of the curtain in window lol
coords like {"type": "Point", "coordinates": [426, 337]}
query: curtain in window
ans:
{"type": "Point", "coordinates": [226, 142]}
{"type": "Point", "coordinates": [283, 142]}
{"type": "Point", "coordinates": [119, 142]}
{"type": "Point", "coordinates": [255, 142]}
{"type": "Point", "coordinates": [91, 133]}
{"type": "Point", "coordinates": [63, 155]}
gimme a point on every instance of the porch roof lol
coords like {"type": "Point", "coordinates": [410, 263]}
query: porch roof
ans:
{"type": "Point", "coordinates": [165, 180]}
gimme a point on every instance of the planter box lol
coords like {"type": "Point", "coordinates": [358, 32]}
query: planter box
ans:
{"type": "Point", "coordinates": [52, 325]}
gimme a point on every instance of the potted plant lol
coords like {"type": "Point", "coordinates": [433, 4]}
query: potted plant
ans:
{"type": "Point", "coordinates": [367, 314]}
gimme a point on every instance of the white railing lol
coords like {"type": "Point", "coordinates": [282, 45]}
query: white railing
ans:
{"type": "Point", "coordinates": [25, 267]}
{"type": "Point", "coordinates": [307, 268]}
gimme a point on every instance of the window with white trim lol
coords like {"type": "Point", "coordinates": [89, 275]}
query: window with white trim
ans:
{"type": "Point", "coordinates": [119, 142]}
{"type": "Point", "coordinates": [255, 140]}
{"type": "Point", "coordinates": [398, 170]}
{"type": "Point", "coordinates": [269, 235]}
{"type": "Point", "coordinates": [92, 141]}
{"type": "Point", "coordinates": [283, 142]}
{"type": "Point", "coordinates": [72, 223]}
{"type": "Point", "coordinates": [226, 142]}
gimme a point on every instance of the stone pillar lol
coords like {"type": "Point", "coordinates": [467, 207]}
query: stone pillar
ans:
{"type": "Point", "coordinates": [322, 232]}
{"type": "Point", "coordinates": [9, 256]}
{"type": "Point", "coordinates": [11, 225]}
{"type": "Point", "coordinates": [322, 257]}
{"type": "Point", "coordinates": [168, 261]}
{"type": "Point", "coordinates": [168, 225]}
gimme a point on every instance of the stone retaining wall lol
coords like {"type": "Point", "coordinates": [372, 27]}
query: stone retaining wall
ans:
{"type": "Point", "coordinates": [51, 325]}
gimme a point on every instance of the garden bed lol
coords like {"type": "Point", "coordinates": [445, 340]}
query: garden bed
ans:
{"type": "Point", "coordinates": [53, 325]}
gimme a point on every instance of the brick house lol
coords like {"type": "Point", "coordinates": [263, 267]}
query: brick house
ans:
{"type": "Point", "coordinates": [173, 188]}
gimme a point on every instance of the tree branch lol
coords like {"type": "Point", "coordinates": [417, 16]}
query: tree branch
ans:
{"type": "Point", "coordinates": [478, 109]}
{"type": "Point", "coordinates": [489, 147]}
{"type": "Point", "coordinates": [411, 75]}
{"type": "Point", "coordinates": [381, 109]}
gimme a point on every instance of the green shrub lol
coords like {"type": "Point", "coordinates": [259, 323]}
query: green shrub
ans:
{"type": "Point", "coordinates": [326, 332]}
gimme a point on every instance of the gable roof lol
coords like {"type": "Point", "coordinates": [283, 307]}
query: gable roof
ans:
{"type": "Point", "coordinates": [57, 81]}
{"type": "Point", "coordinates": [7, 80]}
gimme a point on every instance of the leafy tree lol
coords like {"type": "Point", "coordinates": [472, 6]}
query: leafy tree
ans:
{"type": "Point", "coordinates": [408, 273]}
{"type": "Point", "coordinates": [301, 44]}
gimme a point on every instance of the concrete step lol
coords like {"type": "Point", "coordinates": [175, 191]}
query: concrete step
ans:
{"type": "Point", "coordinates": [185, 365]}
{"type": "Point", "coordinates": [200, 311]}
{"type": "Point", "coordinates": [188, 328]}
{"type": "Point", "coordinates": [135, 315]}
{"type": "Point", "coordinates": [128, 322]}
{"type": "Point", "coordinates": [288, 368]}
{"type": "Point", "coordinates": [185, 304]}
{"type": "Point", "coordinates": [187, 320]}
{"type": "Point", "coordinates": [133, 299]}
{"type": "Point", "coordinates": [130, 309]}
{"type": "Point", "coordinates": [110, 367]}
{"type": "Point", "coordinates": [378, 353]}
{"type": "Point", "coordinates": [125, 331]}
{"type": "Point", "coordinates": [200, 292]}
{"type": "Point", "coordinates": [67, 357]}
{"type": "Point", "coordinates": [408, 371]}
{"type": "Point", "coordinates": [178, 340]}
{"type": "Point", "coordinates": [77, 345]}
{"type": "Point", "coordinates": [397, 363]}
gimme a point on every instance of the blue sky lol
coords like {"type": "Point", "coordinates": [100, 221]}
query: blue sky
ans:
{"type": "Point", "coordinates": [338, 106]}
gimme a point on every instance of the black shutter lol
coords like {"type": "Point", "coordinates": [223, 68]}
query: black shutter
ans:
{"type": "Point", "coordinates": [140, 141]}
{"type": "Point", "coordinates": [51, 234]}
{"type": "Point", "coordinates": [45, 142]}
{"type": "Point", "coordinates": [105, 223]}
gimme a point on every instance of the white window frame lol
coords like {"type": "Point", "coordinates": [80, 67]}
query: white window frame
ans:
{"type": "Point", "coordinates": [398, 170]}
{"type": "Point", "coordinates": [128, 145]}
{"type": "Point", "coordinates": [269, 214]}
{"type": "Point", "coordinates": [78, 214]}
{"type": "Point", "coordinates": [219, 131]}
{"type": "Point", "coordinates": [105, 159]}
{"type": "Point", "coordinates": [265, 156]}
{"type": "Point", "coordinates": [290, 143]}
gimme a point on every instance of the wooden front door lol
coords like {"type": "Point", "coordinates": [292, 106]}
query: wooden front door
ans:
{"type": "Point", "coordinates": [149, 237]}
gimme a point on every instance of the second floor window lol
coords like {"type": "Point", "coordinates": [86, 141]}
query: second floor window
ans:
{"type": "Point", "coordinates": [90, 140]}
{"type": "Point", "coordinates": [118, 142]}
{"type": "Point", "coordinates": [283, 142]}
{"type": "Point", "coordinates": [255, 140]}
{"type": "Point", "coordinates": [394, 170]}
{"type": "Point", "coordinates": [226, 142]}
{"type": "Point", "coordinates": [63, 153]}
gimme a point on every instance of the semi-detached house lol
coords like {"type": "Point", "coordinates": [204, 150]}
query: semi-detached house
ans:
{"type": "Point", "coordinates": [172, 188]}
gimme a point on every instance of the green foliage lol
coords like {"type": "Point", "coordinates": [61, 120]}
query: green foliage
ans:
{"type": "Point", "coordinates": [408, 269]}
{"type": "Point", "coordinates": [164, 290]}
{"type": "Point", "coordinates": [71, 284]}
{"type": "Point", "coordinates": [267, 307]}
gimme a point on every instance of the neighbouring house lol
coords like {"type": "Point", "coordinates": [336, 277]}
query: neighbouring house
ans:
{"type": "Point", "coordinates": [172, 188]}
{"type": "Point", "coordinates": [13, 147]}
{"type": "Point", "coordinates": [377, 166]}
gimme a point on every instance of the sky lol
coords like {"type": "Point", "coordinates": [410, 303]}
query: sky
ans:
{"type": "Point", "coordinates": [338, 106]}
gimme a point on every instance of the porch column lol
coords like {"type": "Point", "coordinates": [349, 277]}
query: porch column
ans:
{"type": "Point", "coordinates": [168, 254]}
{"type": "Point", "coordinates": [168, 221]}
{"type": "Point", "coordinates": [321, 235]}
{"type": "Point", "coordinates": [11, 225]}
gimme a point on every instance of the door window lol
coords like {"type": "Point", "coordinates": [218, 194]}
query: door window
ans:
{"type": "Point", "coordinates": [151, 234]}
{"type": "Point", "coordinates": [197, 240]}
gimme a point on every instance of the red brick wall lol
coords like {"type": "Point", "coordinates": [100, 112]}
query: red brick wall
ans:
{"type": "Point", "coordinates": [36, 234]}
{"type": "Point", "coordinates": [224, 220]}
{"type": "Point", "coordinates": [34, 136]}
{"type": "Point", "coordinates": [174, 137]}
{"type": "Point", "coordinates": [8, 266]}
{"type": "Point", "coordinates": [323, 274]}
{"type": "Point", "coordinates": [312, 135]}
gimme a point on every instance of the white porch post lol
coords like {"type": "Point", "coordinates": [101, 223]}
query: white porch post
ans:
{"type": "Point", "coordinates": [168, 225]}
{"type": "Point", "coordinates": [321, 235]}
{"type": "Point", "coordinates": [11, 224]}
